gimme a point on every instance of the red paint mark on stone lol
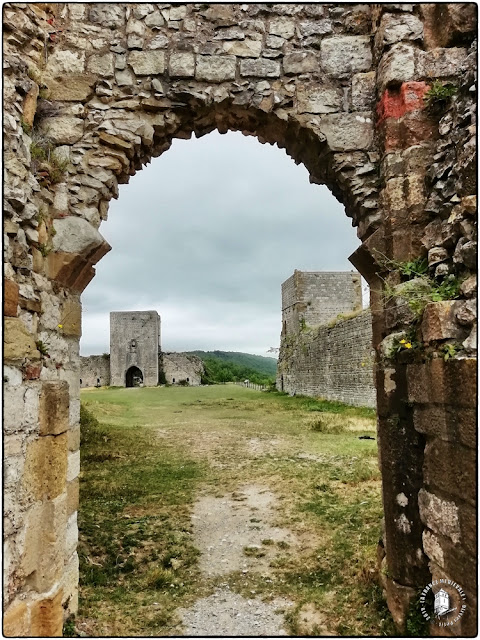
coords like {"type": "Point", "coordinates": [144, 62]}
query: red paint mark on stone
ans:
{"type": "Point", "coordinates": [395, 103]}
{"type": "Point", "coordinates": [32, 371]}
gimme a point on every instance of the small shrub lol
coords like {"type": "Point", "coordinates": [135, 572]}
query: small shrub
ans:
{"type": "Point", "coordinates": [69, 627]}
{"type": "Point", "coordinates": [160, 578]}
{"type": "Point", "coordinates": [183, 383]}
{"type": "Point", "coordinates": [449, 350]}
{"type": "Point", "coordinates": [328, 424]}
{"type": "Point", "coordinates": [42, 347]}
{"type": "Point", "coordinates": [439, 94]}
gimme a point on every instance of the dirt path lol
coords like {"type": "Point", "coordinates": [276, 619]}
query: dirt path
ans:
{"type": "Point", "coordinates": [235, 534]}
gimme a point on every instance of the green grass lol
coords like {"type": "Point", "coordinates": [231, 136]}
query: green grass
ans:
{"type": "Point", "coordinates": [149, 453]}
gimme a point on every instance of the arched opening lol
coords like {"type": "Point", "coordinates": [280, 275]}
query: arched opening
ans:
{"type": "Point", "coordinates": [133, 377]}
{"type": "Point", "coordinates": [327, 83]}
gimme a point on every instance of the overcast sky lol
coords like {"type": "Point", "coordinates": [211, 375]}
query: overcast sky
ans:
{"type": "Point", "coordinates": [205, 235]}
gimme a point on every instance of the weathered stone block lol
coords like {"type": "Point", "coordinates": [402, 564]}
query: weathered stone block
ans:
{"type": "Point", "coordinates": [247, 48]}
{"type": "Point", "coordinates": [397, 27]}
{"type": "Point", "coordinates": [107, 15]}
{"type": "Point", "coordinates": [300, 62]}
{"type": "Point", "coordinates": [72, 496]}
{"type": "Point", "coordinates": [16, 620]}
{"type": "Point", "coordinates": [450, 468]}
{"type": "Point", "coordinates": [115, 141]}
{"type": "Point", "coordinates": [10, 298]}
{"type": "Point", "coordinates": [75, 235]}
{"type": "Point", "coordinates": [44, 548]}
{"type": "Point", "coordinates": [283, 27]}
{"type": "Point", "coordinates": [399, 598]}
{"type": "Point", "coordinates": [261, 68]}
{"type": "Point", "coordinates": [396, 66]}
{"type": "Point", "coordinates": [73, 468]}
{"type": "Point", "coordinates": [30, 105]}
{"type": "Point", "coordinates": [440, 515]}
{"type": "Point", "coordinates": [74, 438]}
{"type": "Point", "coordinates": [63, 129]}
{"type": "Point", "coordinates": [441, 63]}
{"type": "Point", "coordinates": [215, 68]}
{"type": "Point", "coordinates": [70, 586]}
{"type": "Point", "coordinates": [45, 472]}
{"type": "Point", "coordinates": [101, 65]}
{"type": "Point", "coordinates": [342, 55]}
{"type": "Point", "coordinates": [47, 616]}
{"type": "Point", "coordinates": [363, 91]}
{"type": "Point", "coordinates": [438, 321]}
{"type": "Point", "coordinates": [146, 63]}
{"type": "Point", "coordinates": [182, 65]}
{"type": "Point", "coordinates": [18, 343]}
{"type": "Point", "coordinates": [71, 318]}
{"type": "Point", "coordinates": [448, 423]}
{"type": "Point", "coordinates": [54, 408]}
{"type": "Point", "coordinates": [324, 100]}
{"type": "Point", "coordinates": [64, 61]}
{"type": "Point", "coordinates": [348, 131]}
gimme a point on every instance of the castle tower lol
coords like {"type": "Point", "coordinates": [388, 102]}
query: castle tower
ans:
{"type": "Point", "coordinates": [313, 298]}
{"type": "Point", "coordinates": [134, 348]}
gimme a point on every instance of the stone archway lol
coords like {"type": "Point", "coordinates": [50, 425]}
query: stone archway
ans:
{"type": "Point", "coordinates": [342, 89]}
{"type": "Point", "coordinates": [133, 377]}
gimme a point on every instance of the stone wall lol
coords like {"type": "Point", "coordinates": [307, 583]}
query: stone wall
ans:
{"type": "Point", "coordinates": [335, 362]}
{"type": "Point", "coordinates": [341, 87]}
{"type": "Point", "coordinates": [134, 342]}
{"type": "Point", "coordinates": [314, 298]}
{"type": "Point", "coordinates": [95, 371]}
{"type": "Point", "coordinates": [182, 366]}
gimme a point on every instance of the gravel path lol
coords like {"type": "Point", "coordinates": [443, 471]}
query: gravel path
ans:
{"type": "Point", "coordinates": [226, 613]}
{"type": "Point", "coordinates": [224, 528]}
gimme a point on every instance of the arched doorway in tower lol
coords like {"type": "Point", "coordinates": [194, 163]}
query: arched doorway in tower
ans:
{"type": "Point", "coordinates": [133, 377]}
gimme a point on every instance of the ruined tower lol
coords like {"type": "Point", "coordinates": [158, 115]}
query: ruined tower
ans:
{"type": "Point", "coordinates": [312, 298]}
{"type": "Point", "coordinates": [134, 348]}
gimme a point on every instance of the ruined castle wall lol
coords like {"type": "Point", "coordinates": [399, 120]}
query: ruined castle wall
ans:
{"type": "Point", "coordinates": [180, 366]}
{"type": "Point", "coordinates": [315, 298]}
{"type": "Point", "coordinates": [94, 371]}
{"type": "Point", "coordinates": [331, 362]}
{"type": "Point", "coordinates": [341, 87]}
{"type": "Point", "coordinates": [134, 341]}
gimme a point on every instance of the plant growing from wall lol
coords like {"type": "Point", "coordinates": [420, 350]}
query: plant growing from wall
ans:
{"type": "Point", "coordinates": [439, 95]}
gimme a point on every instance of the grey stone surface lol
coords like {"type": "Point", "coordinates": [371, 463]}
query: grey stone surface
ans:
{"type": "Point", "coordinates": [261, 68]}
{"type": "Point", "coordinates": [319, 100]}
{"type": "Point", "coordinates": [215, 68]}
{"type": "Point", "coordinates": [342, 55]}
{"type": "Point", "coordinates": [182, 65]}
{"type": "Point", "coordinates": [75, 235]}
{"type": "Point", "coordinates": [146, 63]}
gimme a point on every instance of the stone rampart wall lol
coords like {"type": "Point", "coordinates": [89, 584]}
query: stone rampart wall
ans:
{"type": "Point", "coordinates": [95, 371]}
{"type": "Point", "coordinates": [180, 366]}
{"type": "Point", "coordinates": [334, 363]}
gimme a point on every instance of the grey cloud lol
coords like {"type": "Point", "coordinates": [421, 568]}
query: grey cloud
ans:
{"type": "Point", "coordinates": [206, 235]}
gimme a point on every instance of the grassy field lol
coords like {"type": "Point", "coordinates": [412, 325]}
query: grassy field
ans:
{"type": "Point", "coordinates": [153, 450]}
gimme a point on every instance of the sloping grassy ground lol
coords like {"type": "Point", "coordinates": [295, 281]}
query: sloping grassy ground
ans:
{"type": "Point", "coordinates": [152, 450]}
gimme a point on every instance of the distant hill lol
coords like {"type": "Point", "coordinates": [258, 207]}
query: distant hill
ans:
{"type": "Point", "coordinates": [230, 365]}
